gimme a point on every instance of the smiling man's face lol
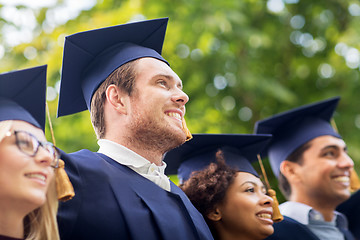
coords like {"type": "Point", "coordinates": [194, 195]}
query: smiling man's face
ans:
{"type": "Point", "coordinates": [325, 170]}
{"type": "Point", "coordinates": [157, 104]}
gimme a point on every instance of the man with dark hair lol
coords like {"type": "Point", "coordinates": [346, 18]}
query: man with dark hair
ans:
{"type": "Point", "coordinates": [137, 109]}
{"type": "Point", "coordinates": [311, 161]}
{"type": "Point", "coordinates": [296, 157]}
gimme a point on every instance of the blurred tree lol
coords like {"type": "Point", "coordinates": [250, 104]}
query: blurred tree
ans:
{"type": "Point", "coordinates": [240, 61]}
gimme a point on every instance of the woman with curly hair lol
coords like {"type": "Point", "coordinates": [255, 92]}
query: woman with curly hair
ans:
{"type": "Point", "coordinates": [28, 198]}
{"type": "Point", "coordinates": [221, 183]}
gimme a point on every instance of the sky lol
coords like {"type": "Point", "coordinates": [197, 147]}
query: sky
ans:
{"type": "Point", "coordinates": [21, 22]}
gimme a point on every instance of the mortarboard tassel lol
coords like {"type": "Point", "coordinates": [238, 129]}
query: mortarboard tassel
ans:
{"type": "Point", "coordinates": [64, 188]}
{"type": "Point", "coordinates": [277, 216]}
{"type": "Point", "coordinates": [354, 181]}
{"type": "Point", "coordinates": [354, 178]}
{"type": "Point", "coordinates": [186, 130]}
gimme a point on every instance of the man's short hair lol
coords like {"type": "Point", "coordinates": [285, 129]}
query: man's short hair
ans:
{"type": "Point", "coordinates": [124, 78]}
{"type": "Point", "coordinates": [296, 157]}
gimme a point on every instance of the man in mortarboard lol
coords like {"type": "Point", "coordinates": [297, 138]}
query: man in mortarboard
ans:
{"type": "Point", "coordinates": [137, 108]}
{"type": "Point", "coordinates": [311, 162]}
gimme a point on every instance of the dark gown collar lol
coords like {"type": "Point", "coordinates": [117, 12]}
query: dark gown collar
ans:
{"type": "Point", "coordinates": [2, 237]}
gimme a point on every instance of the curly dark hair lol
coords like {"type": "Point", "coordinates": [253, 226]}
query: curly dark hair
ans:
{"type": "Point", "coordinates": [207, 188]}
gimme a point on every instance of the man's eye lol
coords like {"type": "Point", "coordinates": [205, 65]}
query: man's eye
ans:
{"type": "Point", "coordinates": [330, 154]}
{"type": "Point", "coordinates": [162, 82]}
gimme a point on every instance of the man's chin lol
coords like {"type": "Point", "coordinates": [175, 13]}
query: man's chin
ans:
{"type": "Point", "coordinates": [179, 139]}
{"type": "Point", "coordinates": [343, 196]}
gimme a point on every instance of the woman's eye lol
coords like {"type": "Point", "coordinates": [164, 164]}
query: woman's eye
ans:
{"type": "Point", "coordinates": [24, 143]}
{"type": "Point", "coordinates": [250, 190]}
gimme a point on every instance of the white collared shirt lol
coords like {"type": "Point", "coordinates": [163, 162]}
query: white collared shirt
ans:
{"type": "Point", "coordinates": [134, 161]}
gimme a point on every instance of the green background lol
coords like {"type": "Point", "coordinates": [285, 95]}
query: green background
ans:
{"type": "Point", "coordinates": [240, 61]}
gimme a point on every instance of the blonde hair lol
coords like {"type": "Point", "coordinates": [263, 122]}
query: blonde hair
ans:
{"type": "Point", "coordinates": [40, 223]}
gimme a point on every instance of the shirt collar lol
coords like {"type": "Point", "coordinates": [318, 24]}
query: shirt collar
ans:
{"type": "Point", "coordinates": [302, 212]}
{"type": "Point", "coordinates": [128, 157]}
{"type": "Point", "coordinates": [296, 211]}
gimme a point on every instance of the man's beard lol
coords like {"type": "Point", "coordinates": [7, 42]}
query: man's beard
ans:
{"type": "Point", "coordinates": [154, 136]}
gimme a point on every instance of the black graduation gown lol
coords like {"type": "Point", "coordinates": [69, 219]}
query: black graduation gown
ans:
{"type": "Point", "coordinates": [114, 202]}
{"type": "Point", "coordinates": [291, 229]}
{"type": "Point", "coordinates": [351, 209]}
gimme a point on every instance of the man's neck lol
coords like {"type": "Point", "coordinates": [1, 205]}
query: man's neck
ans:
{"type": "Point", "coordinates": [326, 209]}
{"type": "Point", "coordinates": [152, 155]}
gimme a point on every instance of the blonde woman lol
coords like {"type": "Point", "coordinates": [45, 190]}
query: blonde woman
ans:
{"type": "Point", "coordinates": [28, 199]}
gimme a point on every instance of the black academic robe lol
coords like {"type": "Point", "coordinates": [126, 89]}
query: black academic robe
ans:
{"type": "Point", "coordinates": [114, 202]}
{"type": "Point", "coordinates": [2, 237]}
{"type": "Point", "coordinates": [290, 229]}
{"type": "Point", "coordinates": [351, 209]}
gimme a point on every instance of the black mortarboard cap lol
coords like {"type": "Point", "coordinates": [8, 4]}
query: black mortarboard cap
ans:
{"type": "Point", "coordinates": [91, 56]}
{"type": "Point", "coordinates": [239, 151]}
{"type": "Point", "coordinates": [23, 96]}
{"type": "Point", "coordinates": [293, 128]}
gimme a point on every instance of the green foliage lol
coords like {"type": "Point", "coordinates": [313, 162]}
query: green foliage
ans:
{"type": "Point", "coordinates": [239, 61]}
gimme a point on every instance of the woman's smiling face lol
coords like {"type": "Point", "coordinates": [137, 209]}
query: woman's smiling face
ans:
{"type": "Point", "coordinates": [24, 180]}
{"type": "Point", "coordinates": [246, 209]}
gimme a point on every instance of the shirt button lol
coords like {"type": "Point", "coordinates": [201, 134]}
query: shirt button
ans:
{"type": "Point", "coordinates": [152, 168]}
{"type": "Point", "coordinates": [317, 216]}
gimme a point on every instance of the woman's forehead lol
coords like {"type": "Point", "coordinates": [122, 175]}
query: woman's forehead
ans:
{"type": "Point", "coordinates": [243, 177]}
{"type": "Point", "coordinates": [25, 126]}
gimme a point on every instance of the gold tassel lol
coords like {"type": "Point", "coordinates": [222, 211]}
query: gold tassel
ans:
{"type": "Point", "coordinates": [354, 181]}
{"type": "Point", "coordinates": [64, 188]}
{"type": "Point", "coordinates": [277, 217]}
{"type": "Point", "coordinates": [354, 178]}
{"type": "Point", "coordinates": [186, 130]}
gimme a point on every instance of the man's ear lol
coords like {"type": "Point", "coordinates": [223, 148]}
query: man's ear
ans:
{"type": "Point", "coordinates": [117, 99]}
{"type": "Point", "coordinates": [214, 215]}
{"type": "Point", "coordinates": [289, 170]}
